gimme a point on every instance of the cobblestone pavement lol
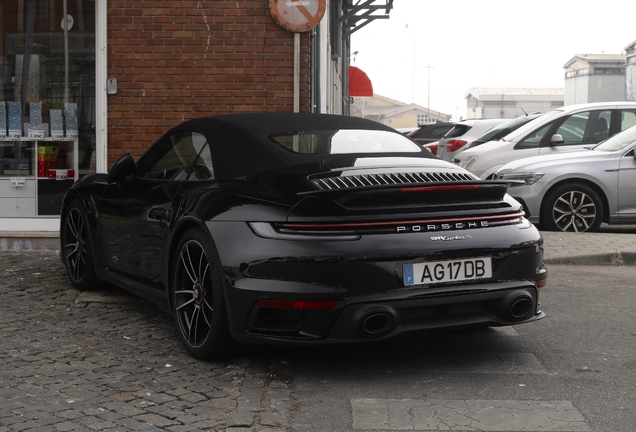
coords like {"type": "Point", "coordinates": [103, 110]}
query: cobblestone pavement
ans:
{"type": "Point", "coordinates": [110, 361]}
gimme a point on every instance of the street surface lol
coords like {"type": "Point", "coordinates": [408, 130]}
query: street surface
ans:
{"type": "Point", "coordinates": [109, 361]}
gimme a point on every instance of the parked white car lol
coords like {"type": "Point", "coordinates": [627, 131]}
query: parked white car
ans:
{"type": "Point", "coordinates": [463, 133]}
{"type": "Point", "coordinates": [567, 128]}
{"type": "Point", "coordinates": [577, 190]}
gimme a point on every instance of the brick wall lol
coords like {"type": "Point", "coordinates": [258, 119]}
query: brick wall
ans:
{"type": "Point", "coordinates": [176, 60]}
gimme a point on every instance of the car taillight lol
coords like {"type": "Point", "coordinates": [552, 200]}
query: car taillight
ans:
{"type": "Point", "coordinates": [432, 148]}
{"type": "Point", "coordinates": [454, 145]}
{"type": "Point", "coordinates": [286, 304]}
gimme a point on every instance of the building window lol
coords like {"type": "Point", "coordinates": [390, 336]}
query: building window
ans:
{"type": "Point", "coordinates": [422, 119]}
{"type": "Point", "coordinates": [43, 14]}
{"type": "Point", "coordinates": [499, 104]}
{"type": "Point", "coordinates": [609, 70]}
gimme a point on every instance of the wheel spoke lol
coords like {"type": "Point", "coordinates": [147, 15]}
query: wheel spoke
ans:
{"type": "Point", "coordinates": [205, 316]}
{"type": "Point", "coordinates": [186, 303]}
{"type": "Point", "coordinates": [200, 272]}
{"type": "Point", "coordinates": [187, 266]}
{"type": "Point", "coordinates": [70, 222]}
{"type": "Point", "coordinates": [193, 325]}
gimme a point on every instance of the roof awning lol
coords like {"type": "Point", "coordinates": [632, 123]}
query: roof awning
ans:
{"type": "Point", "coordinates": [359, 83]}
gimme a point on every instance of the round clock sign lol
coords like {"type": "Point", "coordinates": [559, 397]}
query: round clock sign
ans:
{"type": "Point", "coordinates": [298, 15]}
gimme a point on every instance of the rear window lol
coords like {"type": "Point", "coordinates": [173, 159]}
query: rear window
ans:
{"type": "Point", "coordinates": [345, 141]}
{"type": "Point", "coordinates": [457, 130]}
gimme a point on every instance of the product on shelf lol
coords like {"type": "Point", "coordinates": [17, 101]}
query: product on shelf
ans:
{"type": "Point", "coordinates": [15, 119]}
{"type": "Point", "coordinates": [57, 123]}
{"type": "Point", "coordinates": [47, 159]}
{"type": "Point", "coordinates": [3, 119]}
{"type": "Point", "coordinates": [70, 115]}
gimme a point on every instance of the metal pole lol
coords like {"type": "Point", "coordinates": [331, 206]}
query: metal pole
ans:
{"type": "Point", "coordinates": [428, 91]}
{"type": "Point", "coordinates": [296, 72]}
{"type": "Point", "coordinates": [101, 99]}
{"type": "Point", "coordinates": [65, 22]}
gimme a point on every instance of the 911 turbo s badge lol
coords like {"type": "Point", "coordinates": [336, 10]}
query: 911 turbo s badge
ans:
{"type": "Point", "coordinates": [441, 226]}
{"type": "Point", "coordinates": [449, 238]}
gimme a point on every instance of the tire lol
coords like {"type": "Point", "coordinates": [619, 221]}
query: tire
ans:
{"type": "Point", "coordinates": [76, 246]}
{"type": "Point", "coordinates": [572, 207]}
{"type": "Point", "coordinates": [197, 297]}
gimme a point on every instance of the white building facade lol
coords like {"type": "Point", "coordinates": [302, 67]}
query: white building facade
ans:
{"type": "Point", "coordinates": [595, 78]}
{"type": "Point", "coordinates": [511, 102]}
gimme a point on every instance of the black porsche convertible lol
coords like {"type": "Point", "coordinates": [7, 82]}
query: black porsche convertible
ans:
{"type": "Point", "coordinates": [302, 228]}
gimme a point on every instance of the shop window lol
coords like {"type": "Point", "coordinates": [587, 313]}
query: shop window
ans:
{"type": "Point", "coordinates": [47, 121]}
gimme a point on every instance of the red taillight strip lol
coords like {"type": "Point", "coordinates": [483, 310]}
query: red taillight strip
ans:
{"type": "Point", "coordinates": [296, 304]}
{"type": "Point", "coordinates": [395, 223]}
{"type": "Point", "coordinates": [440, 188]}
{"type": "Point", "coordinates": [542, 283]}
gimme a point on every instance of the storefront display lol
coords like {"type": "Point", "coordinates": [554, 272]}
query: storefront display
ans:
{"type": "Point", "coordinates": [30, 159]}
{"type": "Point", "coordinates": [47, 104]}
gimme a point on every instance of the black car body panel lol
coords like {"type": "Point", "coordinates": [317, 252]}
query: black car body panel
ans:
{"type": "Point", "coordinates": [312, 247]}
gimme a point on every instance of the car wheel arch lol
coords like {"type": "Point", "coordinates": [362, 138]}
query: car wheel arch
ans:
{"type": "Point", "coordinates": [577, 181]}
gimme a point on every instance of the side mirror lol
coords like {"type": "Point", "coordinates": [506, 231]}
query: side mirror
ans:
{"type": "Point", "coordinates": [121, 169]}
{"type": "Point", "coordinates": [556, 139]}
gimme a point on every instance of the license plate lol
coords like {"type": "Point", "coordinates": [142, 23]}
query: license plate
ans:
{"type": "Point", "coordinates": [447, 271]}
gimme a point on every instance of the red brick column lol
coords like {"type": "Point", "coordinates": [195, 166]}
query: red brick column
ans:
{"type": "Point", "coordinates": [176, 60]}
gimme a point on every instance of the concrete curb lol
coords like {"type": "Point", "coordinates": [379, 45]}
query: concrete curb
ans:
{"type": "Point", "coordinates": [32, 241]}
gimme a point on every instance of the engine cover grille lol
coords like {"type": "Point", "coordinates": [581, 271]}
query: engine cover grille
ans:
{"type": "Point", "coordinates": [382, 179]}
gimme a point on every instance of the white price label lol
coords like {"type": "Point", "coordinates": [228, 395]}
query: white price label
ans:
{"type": "Point", "coordinates": [15, 134]}
{"type": "Point", "coordinates": [61, 174]}
{"type": "Point", "coordinates": [57, 134]}
{"type": "Point", "coordinates": [36, 134]}
{"type": "Point", "coordinates": [71, 134]}
{"type": "Point", "coordinates": [18, 182]}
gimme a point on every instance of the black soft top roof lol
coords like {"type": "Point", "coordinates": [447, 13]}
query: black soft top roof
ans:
{"type": "Point", "coordinates": [240, 141]}
{"type": "Point", "coordinates": [261, 125]}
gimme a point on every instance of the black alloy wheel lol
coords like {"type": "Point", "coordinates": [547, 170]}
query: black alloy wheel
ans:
{"type": "Point", "coordinates": [197, 297]}
{"type": "Point", "coordinates": [574, 208]}
{"type": "Point", "coordinates": [76, 248]}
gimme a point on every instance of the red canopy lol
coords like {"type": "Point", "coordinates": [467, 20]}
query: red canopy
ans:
{"type": "Point", "coordinates": [359, 83]}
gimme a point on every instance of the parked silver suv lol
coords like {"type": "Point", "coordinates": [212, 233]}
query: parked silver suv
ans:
{"type": "Point", "coordinates": [567, 128]}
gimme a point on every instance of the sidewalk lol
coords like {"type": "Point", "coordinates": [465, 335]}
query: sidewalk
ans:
{"type": "Point", "coordinates": [604, 248]}
{"type": "Point", "coordinates": [590, 248]}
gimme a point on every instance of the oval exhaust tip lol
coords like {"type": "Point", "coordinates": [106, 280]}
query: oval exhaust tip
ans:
{"type": "Point", "coordinates": [520, 307]}
{"type": "Point", "coordinates": [377, 323]}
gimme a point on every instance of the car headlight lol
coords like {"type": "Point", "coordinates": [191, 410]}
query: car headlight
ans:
{"type": "Point", "coordinates": [468, 162]}
{"type": "Point", "coordinates": [528, 178]}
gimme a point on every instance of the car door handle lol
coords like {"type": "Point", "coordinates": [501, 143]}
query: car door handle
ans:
{"type": "Point", "coordinates": [160, 214]}
{"type": "Point", "coordinates": [156, 213]}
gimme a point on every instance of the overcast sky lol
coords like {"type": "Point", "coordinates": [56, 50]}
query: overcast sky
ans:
{"type": "Point", "coordinates": [485, 43]}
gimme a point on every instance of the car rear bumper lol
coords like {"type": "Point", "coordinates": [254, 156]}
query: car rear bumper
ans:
{"type": "Point", "coordinates": [378, 319]}
{"type": "Point", "coordinates": [268, 280]}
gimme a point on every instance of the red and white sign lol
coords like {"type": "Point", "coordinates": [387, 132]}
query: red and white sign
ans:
{"type": "Point", "coordinates": [298, 15]}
